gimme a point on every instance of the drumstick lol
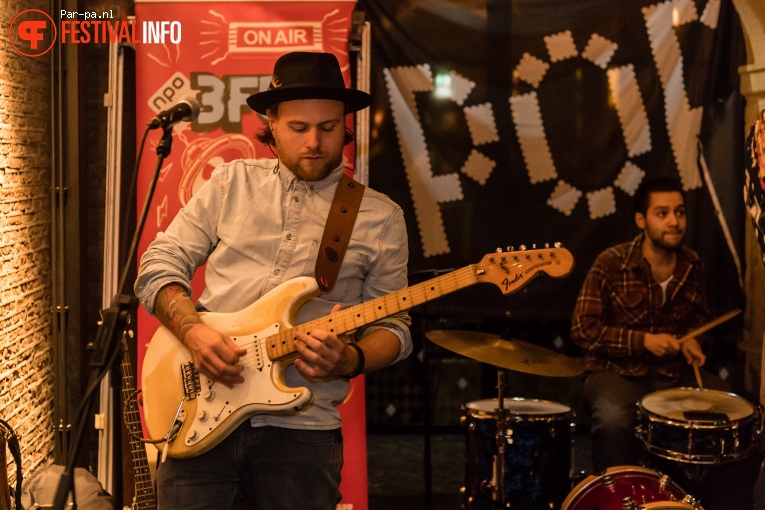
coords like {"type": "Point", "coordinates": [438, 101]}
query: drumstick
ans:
{"type": "Point", "coordinates": [698, 375]}
{"type": "Point", "coordinates": [709, 325]}
{"type": "Point", "coordinates": [706, 327]}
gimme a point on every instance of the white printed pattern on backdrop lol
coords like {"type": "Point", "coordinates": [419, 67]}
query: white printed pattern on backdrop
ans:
{"type": "Point", "coordinates": [683, 122]}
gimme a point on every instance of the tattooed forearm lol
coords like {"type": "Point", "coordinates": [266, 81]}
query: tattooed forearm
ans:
{"type": "Point", "coordinates": [175, 310]}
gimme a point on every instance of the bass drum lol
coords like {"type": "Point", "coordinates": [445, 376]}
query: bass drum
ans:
{"type": "Point", "coordinates": [628, 488]}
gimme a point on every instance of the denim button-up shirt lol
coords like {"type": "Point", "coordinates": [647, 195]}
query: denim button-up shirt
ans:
{"type": "Point", "coordinates": [256, 226]}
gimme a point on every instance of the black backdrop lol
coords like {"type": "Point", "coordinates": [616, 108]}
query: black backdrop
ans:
{"type": "Point", "coordinates": [491, 50]}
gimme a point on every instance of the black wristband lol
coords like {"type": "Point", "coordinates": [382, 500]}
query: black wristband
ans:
{"type": "Point", "coordinates": [360, 367]}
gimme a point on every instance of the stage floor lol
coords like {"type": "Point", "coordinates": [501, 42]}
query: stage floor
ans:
{"type": "Point", "coordinates": [396, 474]}
{"type": "Point", "coordinates": [397, 469]}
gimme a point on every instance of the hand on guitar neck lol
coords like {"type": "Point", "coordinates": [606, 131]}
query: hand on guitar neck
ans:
{"type": "Point", "coordinates": [323, 354]}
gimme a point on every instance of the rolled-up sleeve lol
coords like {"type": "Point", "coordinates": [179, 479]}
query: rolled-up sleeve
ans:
{"type": "Point", "coordinates": [176, 253]}
{"type": "Point", "coordinates": [388, 274]}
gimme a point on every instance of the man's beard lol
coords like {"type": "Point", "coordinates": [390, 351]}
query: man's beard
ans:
{"type": "Point", "coordinates": [661, 243]}
{"type": "Point", "coordinates": [323, 172]}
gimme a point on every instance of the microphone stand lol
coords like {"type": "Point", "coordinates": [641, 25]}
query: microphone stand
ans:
{"type": "Point", "coordinates": [106, 347]}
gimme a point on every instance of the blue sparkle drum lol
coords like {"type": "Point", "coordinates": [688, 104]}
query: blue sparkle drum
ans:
{"type": "Point", "coordinates": [538, 459]}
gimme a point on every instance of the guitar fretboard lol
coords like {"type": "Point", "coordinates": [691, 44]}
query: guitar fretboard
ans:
{"type": "Point", "coordinates": [281, 345]}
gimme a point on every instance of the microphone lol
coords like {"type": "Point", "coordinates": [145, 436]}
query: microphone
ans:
{"type": "Point", "coordinates": [185, 110]}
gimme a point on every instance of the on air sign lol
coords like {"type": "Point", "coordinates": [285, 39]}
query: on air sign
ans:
{"type": "Point", "coordinates": [267, 37]}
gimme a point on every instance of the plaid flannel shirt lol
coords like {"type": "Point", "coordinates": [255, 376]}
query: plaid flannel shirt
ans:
{"type": "Point", "coordinates": [620, 302]}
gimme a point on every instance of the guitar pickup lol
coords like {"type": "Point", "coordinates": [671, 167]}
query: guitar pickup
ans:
{"type": "Point", "coordinates": [190, 377]}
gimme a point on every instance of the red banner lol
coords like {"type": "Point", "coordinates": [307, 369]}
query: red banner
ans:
{"type": "Point", "coordinates": [220, 53]}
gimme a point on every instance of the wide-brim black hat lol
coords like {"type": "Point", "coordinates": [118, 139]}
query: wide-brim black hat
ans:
{"type": "Point", "coordinates": [306, 75]}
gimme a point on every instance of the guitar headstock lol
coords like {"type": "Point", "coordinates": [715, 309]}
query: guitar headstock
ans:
{"type": "Point", "coordinates": [510, 270]}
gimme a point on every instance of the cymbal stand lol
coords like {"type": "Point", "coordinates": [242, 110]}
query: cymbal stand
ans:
{"type": "Point", "coordinates": [498, 481]}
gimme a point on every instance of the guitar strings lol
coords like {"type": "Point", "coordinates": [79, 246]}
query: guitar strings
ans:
{"type": "Point", "coordinates": [416, 294]}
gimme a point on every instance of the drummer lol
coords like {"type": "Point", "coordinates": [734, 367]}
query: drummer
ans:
{"type": "Point", "coordinates": [637, 300]}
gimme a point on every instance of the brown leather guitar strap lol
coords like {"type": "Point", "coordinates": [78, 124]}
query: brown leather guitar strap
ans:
{"type": "Point", "coordinates": [337, 232]}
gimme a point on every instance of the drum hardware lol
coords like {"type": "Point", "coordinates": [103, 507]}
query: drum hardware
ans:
{"type": "Point", "coordinates": [508, 416]}
{"type": "Point", "coordinates": [688, 503]}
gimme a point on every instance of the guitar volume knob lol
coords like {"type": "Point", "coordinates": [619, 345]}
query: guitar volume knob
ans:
{"type": "Point", "coordinates": [208, 395]}
{"type": "Point", "coordinates": [202, 415]}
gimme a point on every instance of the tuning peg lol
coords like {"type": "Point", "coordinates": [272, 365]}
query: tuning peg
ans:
{"type": "Point", "coordinates": [510, 248]}
{"type": "Point", "coordinates": [498, 250]}
{"type": "Point", "coordinates": [558, 245]}
{"type": "Point", "coordinates": [547, 245]}
{"type": "Point", "coordinates": [523, 247]}
{"type": "Point", "coordinates": [533, 246]}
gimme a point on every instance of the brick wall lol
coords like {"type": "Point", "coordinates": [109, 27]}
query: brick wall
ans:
{"type": "Point", "coordinates": [26, 355]}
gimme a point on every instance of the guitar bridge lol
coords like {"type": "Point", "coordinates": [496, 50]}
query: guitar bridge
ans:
{"type": "Point", "coordinates": [191, 385]}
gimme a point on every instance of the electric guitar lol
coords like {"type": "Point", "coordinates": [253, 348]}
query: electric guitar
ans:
{"type": "Point", "coordinates": [144, 498]}
{"type": "Point", "coordinates": [194, 414]}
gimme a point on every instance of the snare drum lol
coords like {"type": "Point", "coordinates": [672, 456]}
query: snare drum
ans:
{"type": "Point", "coordinates": [698, 426]}
{"type": "Point", "coordinates": [644, 487]}
{"type": "Point", "coordinates": [537, 454]}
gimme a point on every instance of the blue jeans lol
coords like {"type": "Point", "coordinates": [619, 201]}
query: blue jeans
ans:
{"type": "Point", "coordinates": [271, 468]}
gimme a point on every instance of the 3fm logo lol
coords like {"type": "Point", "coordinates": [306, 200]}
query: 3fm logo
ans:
{"type": "Point", "coordinates": [32, 33]}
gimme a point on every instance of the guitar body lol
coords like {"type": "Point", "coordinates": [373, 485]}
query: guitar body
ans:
{"type": "Point", "coordinates": [201, 413]}
{"type": "Point", "coordinates": [215, 410]}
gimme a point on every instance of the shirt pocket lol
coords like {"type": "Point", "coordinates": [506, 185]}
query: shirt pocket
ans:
{"type": "Point", "coordinates": [350, 282]}
{"type": "Point", "coordinates": [310, 261]}
{"type": "Point", "coordinates": [630, 307]}
{"type": "Point", "coordinates": [687, 303]}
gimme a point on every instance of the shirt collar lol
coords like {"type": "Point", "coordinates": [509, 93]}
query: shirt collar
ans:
{"type": "Point", "coordinates": [634, 256]}
{"type": "Point", "coordinates": [289, 179]}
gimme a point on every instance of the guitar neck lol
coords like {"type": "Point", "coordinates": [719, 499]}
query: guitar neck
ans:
{"type": "Point", "coordinates": [144, 486]}
{"type": "Point", "coordinates": [280, 346]}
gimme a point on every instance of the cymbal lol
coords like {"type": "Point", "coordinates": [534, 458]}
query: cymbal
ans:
{"type": "Point", "coordinates": [511, 354]}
